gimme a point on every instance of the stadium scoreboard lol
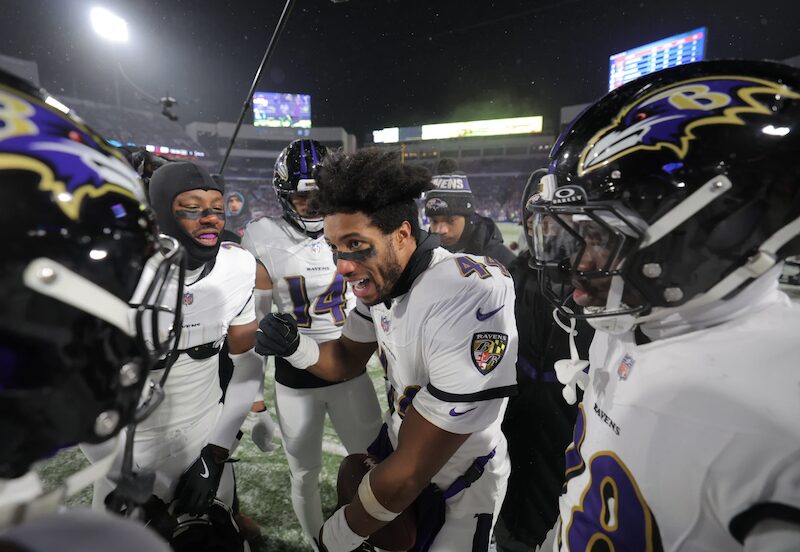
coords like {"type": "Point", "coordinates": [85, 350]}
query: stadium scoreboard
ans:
{"type": "Point", "coordinates": [668, 52]}
{"type": "Point", "coordinates": [278, 109]}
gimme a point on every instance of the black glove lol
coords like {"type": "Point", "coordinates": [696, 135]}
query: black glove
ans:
{"type": "Point", "coordinates": [198, 485]}
{"type": "Point", "coordinates": [146, 163]}
{"type": "Point", "coordinates": [277, 335]}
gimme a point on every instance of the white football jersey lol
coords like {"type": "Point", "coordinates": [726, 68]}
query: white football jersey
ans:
{"type": "Point", "coordinates": [304, 278]}
{"type": "Point", "coordinates": [449, 346]}
{"type": "Point", "coordinates": [686, 442]}
{"type": "Point", "coordinates": [220, 299]}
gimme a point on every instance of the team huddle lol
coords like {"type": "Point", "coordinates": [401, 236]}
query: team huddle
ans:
{"type": "Point", "coordinates": [130, 327]}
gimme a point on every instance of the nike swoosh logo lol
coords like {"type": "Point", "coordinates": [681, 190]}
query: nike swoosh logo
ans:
{"type": "Point", "coordinates": [205, 473]}
{"type": "Point", "coordinates": [480, 316]}
{"type": "Point", "coordinates": [454, 413]}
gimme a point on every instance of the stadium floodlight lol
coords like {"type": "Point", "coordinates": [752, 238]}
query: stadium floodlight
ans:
{"type": "Point", "coordinates": [108, 25]}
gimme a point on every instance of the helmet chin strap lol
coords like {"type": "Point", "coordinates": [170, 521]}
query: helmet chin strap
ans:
{"type": "Point", "coordinates": [24, 499]}
{"type": "Point", "coordinates": [313, 225]}
{"type": "Point", "coordinates": [611, 323]}
{"type": "Point", "coordinates": [290, 215]}
{"type": "Point", "coordinates": [570, 372]}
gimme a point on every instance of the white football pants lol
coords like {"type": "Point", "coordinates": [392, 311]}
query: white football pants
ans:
{"type": "Point", "coordinates": [355, 414]}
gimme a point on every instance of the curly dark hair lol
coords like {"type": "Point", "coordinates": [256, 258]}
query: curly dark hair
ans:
{"type": "Point", "coordinates": [374, 182]}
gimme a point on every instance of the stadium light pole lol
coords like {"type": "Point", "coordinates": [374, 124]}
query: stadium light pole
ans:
{"type": "Point", "coordinates": [113, 28]}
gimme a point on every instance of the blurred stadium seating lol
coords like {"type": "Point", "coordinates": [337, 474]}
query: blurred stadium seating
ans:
{"type": "Point", "coordinates": [497, 168]}
{"type": "Point", "coordinates": [134, 126]}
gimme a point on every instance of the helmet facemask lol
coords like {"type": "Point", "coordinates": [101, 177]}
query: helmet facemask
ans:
{"type": "Point", "coordinates": [312, 221]}
{"type": "Point", "coordinates": [295, 173]}
{"type": "Point", "coordinates": [580, 251]}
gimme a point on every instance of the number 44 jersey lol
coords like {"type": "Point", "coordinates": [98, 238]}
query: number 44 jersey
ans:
{"type": "Point", "coordinates": [304, 278]}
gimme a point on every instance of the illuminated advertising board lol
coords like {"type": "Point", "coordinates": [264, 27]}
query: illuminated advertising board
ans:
{"type": "Point", "coordinates": [490, 127]}
{"type": "Point", "coordinates": [442, 131]}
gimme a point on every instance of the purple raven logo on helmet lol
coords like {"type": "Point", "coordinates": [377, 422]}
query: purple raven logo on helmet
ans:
{"type": "Point", "coordinates": [79, 165]}
{"type": "Point", "coordinates": [667, 117]}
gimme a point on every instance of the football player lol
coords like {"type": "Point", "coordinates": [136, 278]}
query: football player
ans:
{"type": "Point", "coordinates": [677, 199]}
{"type": "Point", "coordinates": [444, 327]}
{"type": "Point", "coordinates": [75, 356]}
{"type": "Point", "coordinates": [187, 440]}
{"type": "Point", "coordinates": [303, 281]}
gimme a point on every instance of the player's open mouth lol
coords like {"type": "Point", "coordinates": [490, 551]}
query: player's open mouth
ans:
{"type": "Point", "coordinates": [207, 238]}
{"type": "Point", "coordinates": [360, 287]}
{"type": "Point", "coordinates": [580, 296]}
{"type": "Point", "coordinates": [589, 293]}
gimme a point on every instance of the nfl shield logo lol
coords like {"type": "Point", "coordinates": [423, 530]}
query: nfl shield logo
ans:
{"type": "Point", "coordinates": [385, 324]}
{"type": "Point", "coordinates": [188, 298]}
{"type": "Point", "coordinates": [625, 367]}
{"type": "Point", "coordinates": [316, 247]}
{"type": "Point", "coordinates": [488, 349]}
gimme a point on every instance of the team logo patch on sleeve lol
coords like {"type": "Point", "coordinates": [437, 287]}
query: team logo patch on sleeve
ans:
{"type": "Point", "coordinates": [488, 349]}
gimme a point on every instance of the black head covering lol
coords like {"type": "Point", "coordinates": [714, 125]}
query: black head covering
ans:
{"type": "Point", "coordinates": [167, 183]}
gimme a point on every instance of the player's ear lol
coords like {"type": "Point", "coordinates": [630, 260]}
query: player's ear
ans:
{"type": "Point", "coordinates": [403, 233]}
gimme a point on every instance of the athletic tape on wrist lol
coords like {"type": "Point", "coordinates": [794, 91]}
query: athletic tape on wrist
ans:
{"type": "Point", "coordinates": [337, 535]}
{"type": "Point", "coordinates": [307, 353]}
{"type": "Point", "coordinates": [371, 504]}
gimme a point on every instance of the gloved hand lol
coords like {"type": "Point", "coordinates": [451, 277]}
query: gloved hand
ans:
{"type": "Point", "coordinates": [263, 430]}
{"type": "Point", "coordinates": [198, 485]}
{"type": "Point", "coordinates": [277, 335]}
{"type": "Point", "coordinates": [146, 163]}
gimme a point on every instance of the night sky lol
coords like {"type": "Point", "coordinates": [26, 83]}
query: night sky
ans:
{"type": "Point", "coordinates": [374, 63]}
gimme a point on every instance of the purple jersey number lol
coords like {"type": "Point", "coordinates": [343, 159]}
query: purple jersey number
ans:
{"type": "Point", "coordinates": [404, 401]}
{"type": "Point", "coordinates": [612, 514]}
{"type": "Point", "coordinates": [331, 301]}
{"type": "Point", "coordinates": [469, 266]}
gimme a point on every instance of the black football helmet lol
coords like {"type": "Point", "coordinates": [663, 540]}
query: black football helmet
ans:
{"type": "Point", "coordinates": [673, 191]}
{"type": "Point", "coordinates": [74, 353]}
{"type": "Point", "coordinates": [295, 172]}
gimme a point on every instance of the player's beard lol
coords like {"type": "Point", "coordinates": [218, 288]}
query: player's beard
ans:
{"type": "Point", "coordinates": [390, 272]}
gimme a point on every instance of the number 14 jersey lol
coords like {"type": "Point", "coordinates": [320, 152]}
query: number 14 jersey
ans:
{"type": "Point", "coordinates": [304, 283]}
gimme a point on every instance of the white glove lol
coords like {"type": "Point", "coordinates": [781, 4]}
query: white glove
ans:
{"type": "Point", "coordinates": [263, 430]}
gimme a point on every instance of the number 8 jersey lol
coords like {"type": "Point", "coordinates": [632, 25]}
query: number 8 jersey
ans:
{"type": "Point", "coordinates": [304, 282]}
{"type": "Point", "coordinates": [689, 441]}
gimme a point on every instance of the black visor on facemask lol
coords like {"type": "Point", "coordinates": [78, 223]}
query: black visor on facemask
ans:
{"type": "Point", "coordinates": [165, 185]}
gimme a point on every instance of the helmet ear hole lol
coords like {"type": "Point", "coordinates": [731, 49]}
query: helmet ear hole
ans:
{"type": "Point", "coordinates": [736, 228]}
